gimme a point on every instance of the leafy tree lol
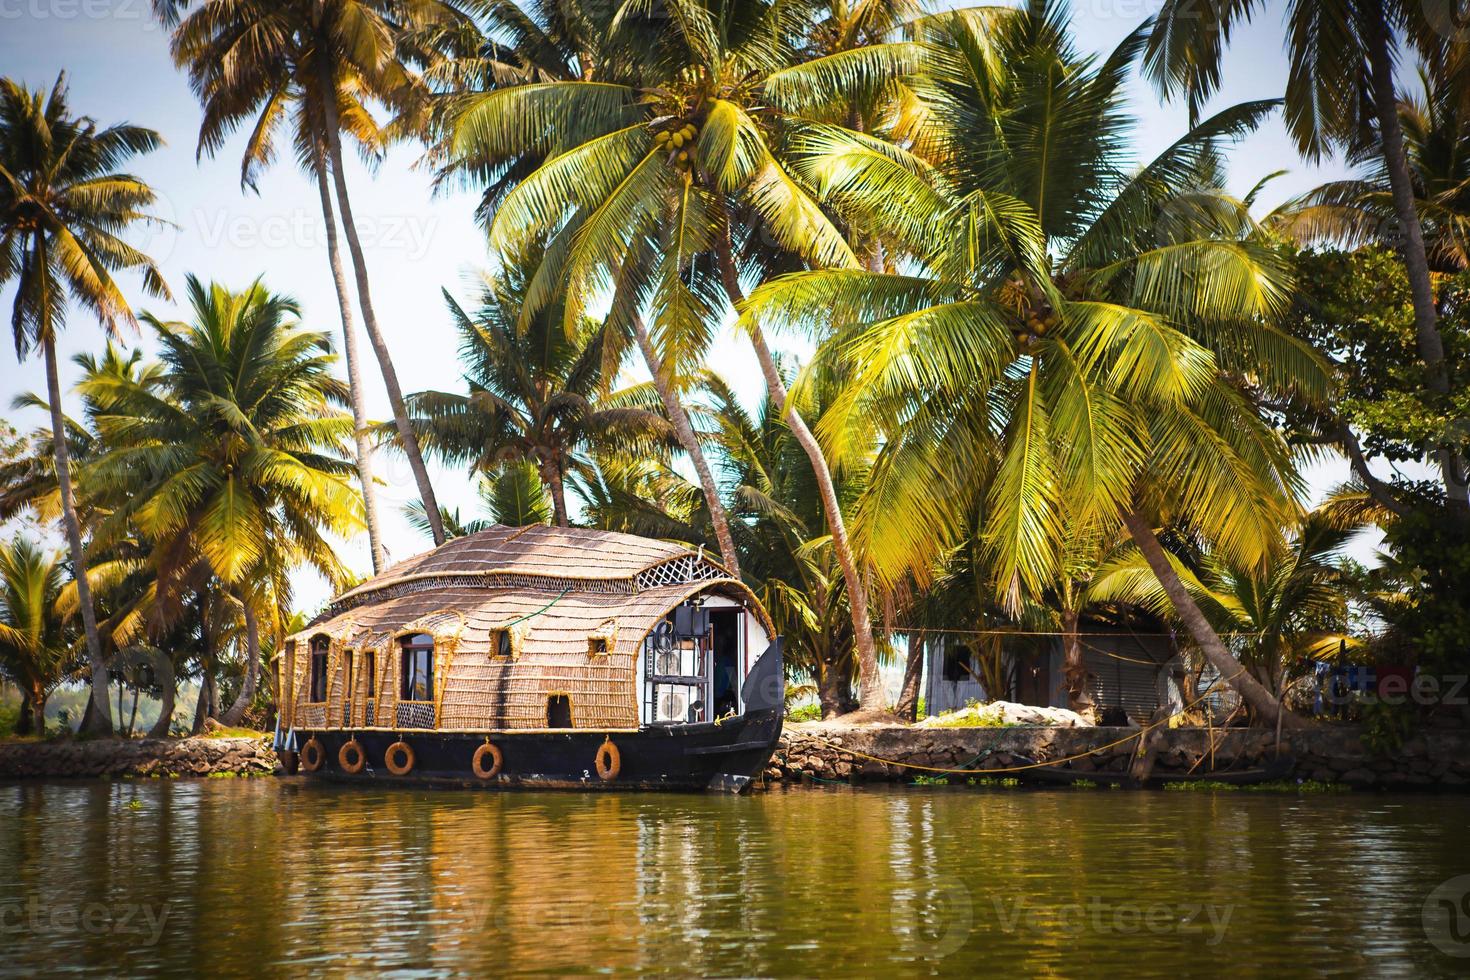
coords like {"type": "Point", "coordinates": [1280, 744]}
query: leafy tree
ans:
{"type": "Point", "coordinates": [513, 496]}
{"type": "Point", "coordinates": [536, 395]}
{"type": "Point", "coordinates": [1283, 616]}
{"type": "Point", "coordinates": [34, 642]}
{"type": "Point", "coordinates": [1356, 308]}
{"type": "Point", "coordinates": [1341, 93]}
{"type": "Point", "coordinates": [675, 185]}
{"type": "Point", "coordinates": [779, 507]}
{"type": "Point", "coordinates": [317, 67]}
{"type": "Point", "coordinates": [64, 202]}
{"type": "Point", "coordinates": [1059, 358]}
{"type": "Point", "coordinates": [226, 459]}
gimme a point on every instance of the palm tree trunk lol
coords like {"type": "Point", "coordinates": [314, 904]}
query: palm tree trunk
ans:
{"type": "Point", "coordinates": [557, 486]}
{"type": "Point", "coordinates": [685, 432]}
{"type": "Point", "coordinates": [201, 703]}
{"type": "Point", "coordinates": [353, 357]}
{"type": "Point", "coordinates": [1265, 708]}
{"type": "Point", "coordinates": [133, 714]}
{"type": "Point", "coordinates": [907, 707]}
{"type": "Point", "coordinates": [1416, 260]}
{"type": "Point", "coordinates": [161, 727]}
{"type": "Point", "coordinates": [1074, 668]}
{"type": "Point", "coordinates": [23, 723]}
{"type": "Point", "coordinates": [100, 721]}
{"type": "Point", "coordinates": [406, 435]}
{"type": "Point", "coordinates": [236, 713]}
{"type": "Point", "coordinates": [871, 681]}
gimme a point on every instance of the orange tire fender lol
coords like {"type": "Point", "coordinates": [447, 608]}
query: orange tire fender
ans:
{"type": "Point", "coordinates": [391, 758]}
{"type": "Point", "coordinates": [609, 761]}
{"type": "Point", "coordinates": [350, 757]}
{"type": "Point", "coordinates": [312, 755]}
{"type": "Point", "coordinates": [497, 760]}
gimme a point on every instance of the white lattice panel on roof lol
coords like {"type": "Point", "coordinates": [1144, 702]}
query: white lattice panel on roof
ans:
{"type": "Point", "coordinates": [687, 568]}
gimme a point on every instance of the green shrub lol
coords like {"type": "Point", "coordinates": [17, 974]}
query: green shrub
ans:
{"type": "Point", "coordinates": [805, 712]}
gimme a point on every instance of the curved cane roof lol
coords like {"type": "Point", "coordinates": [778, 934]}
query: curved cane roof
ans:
{"type": "Point", "coordinates": [539, 558]}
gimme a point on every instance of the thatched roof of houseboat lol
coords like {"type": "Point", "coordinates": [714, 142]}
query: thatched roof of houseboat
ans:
{"type": "Point", "coordinates": [540, 558]}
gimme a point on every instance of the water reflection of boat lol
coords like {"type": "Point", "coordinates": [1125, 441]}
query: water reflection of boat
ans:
{"type": "Point", "coordinates": [539, 655]}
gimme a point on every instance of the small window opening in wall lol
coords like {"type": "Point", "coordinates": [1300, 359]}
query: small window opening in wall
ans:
{"type": "Point", "coordinates": [370, 667]}
{"type": "Point", "coordinates": [598, 646]}
{"type": "Point", "coordinates": [558, 711]}
{"type": "Point", "coordinates": [500, 643]}
{"type": "Point", "coordinates": [317, 692]}
{"type": "Point", "coordinates": [957, 663]}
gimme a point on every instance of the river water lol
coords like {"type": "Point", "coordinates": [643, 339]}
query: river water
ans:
{"type": "Point", "coordinates": [233, 877]}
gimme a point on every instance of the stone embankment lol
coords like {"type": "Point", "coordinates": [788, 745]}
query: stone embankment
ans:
{"type": "Point", "coordinates": [1330, 754]}
{"type": "Point", "coordinates": [141, 757]}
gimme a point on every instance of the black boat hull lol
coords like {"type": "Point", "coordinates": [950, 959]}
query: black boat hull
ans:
{"type": "Point", "coordinates": [725, 755]}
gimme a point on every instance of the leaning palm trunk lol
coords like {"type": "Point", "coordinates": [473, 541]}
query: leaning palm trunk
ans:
{"type": "Point", "coordinates": [236, 712]}
{"type": "Point", "coordinates": [363, 446]}
{"type": "Point", "coordinates": [99, 721]}
{"type": "Point", "coordinates": [907, 707]}
{"type": "Point", "coordinates": [370, 320]}
{"type": "Point", "coordinates": [872, 697]}
{"type": "Point", "coordinates": [1259, 700]}
{"type": "Point", "coordinates": [1426, 318]}
{"type": "Point", "coordinates": [684, 430]}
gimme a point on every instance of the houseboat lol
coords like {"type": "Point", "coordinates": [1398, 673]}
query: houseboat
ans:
{"type": "Point", "coordinates": [541, 656]}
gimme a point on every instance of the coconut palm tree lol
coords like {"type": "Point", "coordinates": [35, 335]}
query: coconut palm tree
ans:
{"type": "Point", "coordinates": [1282, 615]}
{"type": "Point", "coordinates": [788, 556]}
{"type": "Point", "coordinates": [1360, 210]}
{"type": "Point", "coordinates": [675, 185]}
{"type": "Point", "coordinates": [513, 496]}
{"type": "Point", "coordinates": [538, 43]}
{"type": "Point", "coordinates": [64, 202]}
{"type": "Point", "coordinates": [1058, 359]}
{"type": "Point", "coordinates": [536, 395]}
{"type": "Point", "coordinates": [34, 643]}
{"type": "Point", "coordinates": [227, 460]}
{"type": "Point", "coordinates": [317, 66]}
{"type": "Point", "coordinates": [1341, 93]}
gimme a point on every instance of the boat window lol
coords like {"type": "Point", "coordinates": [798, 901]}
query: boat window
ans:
{"type": "Point", "coordinates": [558, 711]}
{"type": "Point", "coordinates": [370, 666]}
{"type": "Point", "coordinates": [418, 668]}
{"type": "Point", "coordinates": [317, 692]}
{"type": "Point", "coordinates": [597, 646]}
{"type": "Point", "coordinates": [957, 663]}
{"type": "Point", "coordinates": [500, 643]}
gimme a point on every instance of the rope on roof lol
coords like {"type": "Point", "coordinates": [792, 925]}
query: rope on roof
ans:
{"type": "Point", "coordinates": [538, 612]}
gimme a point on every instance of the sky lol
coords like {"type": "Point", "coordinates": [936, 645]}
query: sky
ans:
{"type": "Point", "coordinates": [118, 67]}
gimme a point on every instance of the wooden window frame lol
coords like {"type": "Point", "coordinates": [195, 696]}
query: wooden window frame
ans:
{"type": "Point", "coordinates": [408, 651]}
{"type": "Point", "coordinates": [312, 653]}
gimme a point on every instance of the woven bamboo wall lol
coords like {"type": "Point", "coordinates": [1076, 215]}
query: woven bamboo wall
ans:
{"type": "Point", "coordinates": [552, 588]}
{"type": "Point", "coordinates": [478, 690]}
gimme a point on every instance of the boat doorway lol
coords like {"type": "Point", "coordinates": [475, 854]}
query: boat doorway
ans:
{"type": "Point", "coordinates": [725, 652]}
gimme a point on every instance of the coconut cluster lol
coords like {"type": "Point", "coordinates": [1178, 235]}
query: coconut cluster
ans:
{"type": "Point", "coordinates": [678, 141]}
{"type": "Point", "coordinates": [1039, 320]}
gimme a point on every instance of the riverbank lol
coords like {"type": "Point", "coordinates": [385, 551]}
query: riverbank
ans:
{"type": "Point", "coordinates": [1329, 754]}
{"type": "Point", "coordinates": [891, 754]}
{"type": "Point", "coordinates": [117, 758]}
